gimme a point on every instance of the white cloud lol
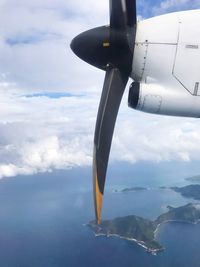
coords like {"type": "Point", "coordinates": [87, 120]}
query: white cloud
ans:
{"type": "Point", "coordinates": [149, 137]}
{"type": "Point", "coordinates": [41, 31]}
{"type": "Point", "coordinates": [175, 5]}
{"type": "Point", "coordinates": [35, 41]}
{"type": "Point", "coordinates": [39, 134]}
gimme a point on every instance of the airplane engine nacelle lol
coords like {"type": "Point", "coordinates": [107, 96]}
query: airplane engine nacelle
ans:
{"type": "Point", "coordinates": [153, 98]}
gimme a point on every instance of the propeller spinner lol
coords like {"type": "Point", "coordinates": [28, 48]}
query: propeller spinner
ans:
{"type": "Point", "coordinates": [109, 48]}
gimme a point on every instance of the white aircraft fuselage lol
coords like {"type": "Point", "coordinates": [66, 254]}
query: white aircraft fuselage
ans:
{"type": "Point", "coordinates": [166, 64]}
{"type": "Point", "coordinates": [161, 55]}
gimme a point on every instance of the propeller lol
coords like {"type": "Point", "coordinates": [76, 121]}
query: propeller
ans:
{"type": "Point", "coordinates": [111, 49]}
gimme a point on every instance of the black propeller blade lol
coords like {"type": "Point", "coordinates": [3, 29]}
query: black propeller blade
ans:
{"type": "Point", "coordinates": [113, 89]}
{"type": "Point", "coordinates": [111, 49]}
{"type": "Point", "coordinates": [122, 14]}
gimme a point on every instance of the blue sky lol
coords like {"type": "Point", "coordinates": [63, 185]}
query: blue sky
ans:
{"type": "Point", "coordinates": [41, 127]}
{"type": "Point", "coordinates": [149, 8]}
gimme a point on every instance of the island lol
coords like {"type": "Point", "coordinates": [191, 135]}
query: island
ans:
{"type": "Point", "coordinates": [189, 191]}
{"type": "Point", "coordinates": [189, 213]}
{"type": "Point", "coordinates": [193, 179]}
{"type": "Point", "coordinates": [131, 189]}
{"type": "Point", "coordinates": [143, 231]}
{"type": "Point", "coordinates": [131, 228]}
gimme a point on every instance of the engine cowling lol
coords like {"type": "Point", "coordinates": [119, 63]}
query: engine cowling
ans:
{"type": "Point", "coordinates": [156, 99]}
{"type": "Point", "coordinates": [166, 65]}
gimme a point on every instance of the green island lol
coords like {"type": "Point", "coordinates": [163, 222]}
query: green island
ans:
{"type": "Point", "coordinates": [143, 231]}
{"type": "Point", "coordinates": [194, 179]}
{"type": "Point", "coordinates": [189, 191]}
{"type": "Point", "coordinates": [131, 189]}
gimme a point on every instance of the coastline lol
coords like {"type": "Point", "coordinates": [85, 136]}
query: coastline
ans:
{"type": "Point", "coordinates": [141, 243]}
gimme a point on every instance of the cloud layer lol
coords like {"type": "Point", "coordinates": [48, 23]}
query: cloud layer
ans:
{"type": "Point", "coordinates": [39, 134]}
{"type": "Point", "coordinates": [49, 98]}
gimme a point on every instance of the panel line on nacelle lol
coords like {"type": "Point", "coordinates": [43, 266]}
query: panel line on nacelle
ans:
{"type": "Point", "coordinates": [187, 59]}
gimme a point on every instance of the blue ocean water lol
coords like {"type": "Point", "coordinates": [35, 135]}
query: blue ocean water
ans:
{"type": "Point", "coordinates": [42, 218]}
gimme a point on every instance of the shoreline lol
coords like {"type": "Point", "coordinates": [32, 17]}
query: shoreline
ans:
{"type": "Point", "coordinates": [142, 243]}
{"type": "Point", "coordinates": [138, 242]}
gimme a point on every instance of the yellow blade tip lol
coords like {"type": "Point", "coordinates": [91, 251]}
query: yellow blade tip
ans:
{"type": "Point", "coordinates": [98, 221]}
{"type": "Point", "coordinates": [98, 201]}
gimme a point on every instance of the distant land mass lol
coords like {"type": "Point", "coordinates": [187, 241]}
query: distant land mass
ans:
{"type": "Point", "coordinates": [194, 179]}
{"type": "Point", "coordinates": [131, 189]}
{"type": "Point", "coordinates": [143, 231]}
{"type": "Point", "coordinates": [189, 191]}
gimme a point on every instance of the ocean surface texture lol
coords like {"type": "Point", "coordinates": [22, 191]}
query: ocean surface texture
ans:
{"type": "Point", "coordinates": [43, 217]}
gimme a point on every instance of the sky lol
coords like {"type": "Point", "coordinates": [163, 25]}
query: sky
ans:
{"type": "Point", "coordinates": [49, 98]}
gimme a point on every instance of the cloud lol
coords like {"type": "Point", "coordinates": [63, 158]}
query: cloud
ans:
{"type": "Point", "coordinates": [35, 40]}
{"type": "Point", "coordinates": [49, 97]}
{"type": "Point", "coordinates": [149, 8]}
{"type": "Point", "coordinates": [40, 134]}
{"type": "Point", "coordinates": [35, 43]}
{"type": "Point", "coordinates": [157, 139]}
{"type": "Point", "coordinates": [175, 5]}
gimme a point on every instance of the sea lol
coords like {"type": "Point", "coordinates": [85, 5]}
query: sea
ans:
{"type": "Point", "coordinates": [43, 217]}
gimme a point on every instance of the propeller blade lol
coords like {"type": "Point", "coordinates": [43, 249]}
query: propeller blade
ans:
{"type": "Point", "coordinates": [122, 14]}
{"type": "Point", "coordinates": [123, 19]}
{"type": "Point", "coordinates": [113, 89]}
{"type": "Point", "coordinates": [111, 49]}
